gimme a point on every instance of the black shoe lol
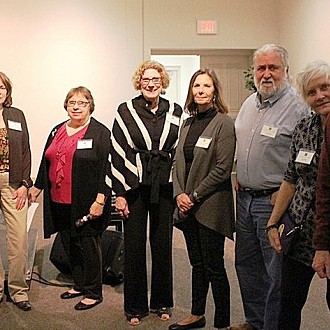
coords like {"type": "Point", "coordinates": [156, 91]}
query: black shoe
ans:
{"type": "Point", "coordinates": [81, 306]}
{"type": "Point", "coordinates": [194, 325]}
{"type": "Point", "coordinates": [24, 305]}
{"type": "Point", "coordinates": [68, 295]}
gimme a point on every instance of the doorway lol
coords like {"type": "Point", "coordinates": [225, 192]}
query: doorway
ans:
{"type": "Point", "coordinates": [229, 65]}
{"type": "Point", "coordinates": [180, 69]}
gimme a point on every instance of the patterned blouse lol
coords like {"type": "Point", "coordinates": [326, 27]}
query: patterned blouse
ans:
{"type": "Point", "coordinates": [4, 150]}
{"type": "Point", "coordinates": [307, 136]}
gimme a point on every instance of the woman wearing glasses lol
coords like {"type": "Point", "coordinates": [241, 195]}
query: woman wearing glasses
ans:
{"type": "Point", "coordinates": [145, 134]}
{"type": "Point", "coordinates": [73, 173]}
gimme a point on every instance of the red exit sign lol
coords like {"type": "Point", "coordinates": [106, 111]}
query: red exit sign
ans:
{"type": "Point", "coordinates": [206, 27]}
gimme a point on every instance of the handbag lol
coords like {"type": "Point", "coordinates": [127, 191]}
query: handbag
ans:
{"type": "Point", "coordinates": [288, 231]}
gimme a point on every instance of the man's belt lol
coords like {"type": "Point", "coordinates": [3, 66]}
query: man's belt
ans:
{"type": "Point", "coordinates": [260, 193]}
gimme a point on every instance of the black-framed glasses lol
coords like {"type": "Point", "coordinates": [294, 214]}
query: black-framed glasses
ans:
{"type": "Point", "coordinates": [155, 80]}
{"type": "Point", "coordinates": [81, 104]}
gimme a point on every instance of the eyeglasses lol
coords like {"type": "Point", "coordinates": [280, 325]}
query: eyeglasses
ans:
{"type": "Point", "coordinates": [81, 104]}
{"type": "Point", "coordinates": [155, 80]}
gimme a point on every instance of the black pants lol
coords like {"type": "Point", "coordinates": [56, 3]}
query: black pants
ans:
{"type": "Point", "coordinates": [85, 258]}
{"type": "Point", "coordinates": [206, 255]}
{"type": "Point", "coordinates": [296, 280]}
{"type": "Point", "coordinates": [84, 253]}
{"type": "Point", "coordinates": [160, 237]}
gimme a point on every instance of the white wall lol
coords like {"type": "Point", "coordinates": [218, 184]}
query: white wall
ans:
{"type": "Point", "coordinates": [242, 24]}
{"type": "Point", "coordinates": [304, 31]}
{"type": "Point", "coordinates": [48, 47]}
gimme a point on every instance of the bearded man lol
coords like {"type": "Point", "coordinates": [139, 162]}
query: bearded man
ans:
{"type": "Point", "coordinates": [264, 128]}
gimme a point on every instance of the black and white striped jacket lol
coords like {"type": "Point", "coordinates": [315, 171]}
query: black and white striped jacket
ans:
{"type": "Point", "coordinates": [143, 144]}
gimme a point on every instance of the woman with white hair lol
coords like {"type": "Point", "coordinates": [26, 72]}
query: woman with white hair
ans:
{"type": "Point", "coordinates": [297, 194]}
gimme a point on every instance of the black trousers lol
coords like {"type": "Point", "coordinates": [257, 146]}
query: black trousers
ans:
{"type": "Point", "coordinates": [160, 238]}
{"type": "Point", "coordinates": [85, 258]}
{"type": "Point", "coordinates": [296, 280]}
{"type": "Point", "coordinates": [84, 253]}
{"type": "Point", "coordinates": [206, 255]}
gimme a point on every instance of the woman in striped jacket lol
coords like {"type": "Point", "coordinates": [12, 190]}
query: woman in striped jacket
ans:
{"type": "Point", "coordinates": [145, 134]}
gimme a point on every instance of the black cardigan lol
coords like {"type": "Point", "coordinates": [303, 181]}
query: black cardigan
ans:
{"type": "Point", "coordinates": [89, 170]}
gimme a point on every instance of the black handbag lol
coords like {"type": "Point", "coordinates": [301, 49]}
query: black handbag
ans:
{"type": "Point", "coordinates": [288, 231]}
{"type": "Point", "coordinates": [112, 245]}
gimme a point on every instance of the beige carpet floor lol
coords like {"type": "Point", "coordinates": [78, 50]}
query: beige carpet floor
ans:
{"type": "Point", "coordinates": [49, 312]}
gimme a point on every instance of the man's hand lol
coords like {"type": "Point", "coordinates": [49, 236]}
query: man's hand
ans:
{"type": "Point", "coordinates": [274, 239]}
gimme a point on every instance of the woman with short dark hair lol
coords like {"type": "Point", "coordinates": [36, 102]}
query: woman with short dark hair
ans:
{"type": "Point", "coordinates": [73, 174]}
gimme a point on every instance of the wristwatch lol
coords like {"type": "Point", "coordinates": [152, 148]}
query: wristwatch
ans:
{"type": "Point", "coordinates": [195, 197]}
{"type": "Point", "coordinates": [26, 184]}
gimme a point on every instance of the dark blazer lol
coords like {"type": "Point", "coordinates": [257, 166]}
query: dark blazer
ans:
{"type": "Point", "coordinates": [19, 148]}
{"type": "Point", "coordinates": [209, 177]}
{"type": "Point", "coordinates": [89, 170]}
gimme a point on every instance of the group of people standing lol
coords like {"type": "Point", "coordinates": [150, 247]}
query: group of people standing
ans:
{"type": "Point", "coordinates": [167, 169]}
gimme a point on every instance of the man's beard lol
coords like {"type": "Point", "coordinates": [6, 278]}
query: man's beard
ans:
{"type": "Point", "coordinates": [267, 92]}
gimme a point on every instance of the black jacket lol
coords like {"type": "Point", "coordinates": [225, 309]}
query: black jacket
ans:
{"type": "Point", "coordinates": [90, 168]}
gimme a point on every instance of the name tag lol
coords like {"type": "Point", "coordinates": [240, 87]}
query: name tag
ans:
{"type": "Point", "coordinates": [175, 120]}
{"type": "Point", "coordinates": [15, 125]}
{"type": "Point", "coordinates": [269, 131]}
{"type": "Point", "coordinates": [85, 144]}
{"type": "Point", "coordinates": [203, 142]}
{"type": "Point", "coordinates": [305, 156]}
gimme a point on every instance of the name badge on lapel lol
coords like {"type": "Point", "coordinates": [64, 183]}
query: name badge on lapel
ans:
{"type": "Point", "coordinates": [175, 120]}
{"type": "Point", "coordinates": [269, 131]}
{"type": "Point", "coordinates": [305, 156]}
{"type": "Point", "coordinates": [85, 144]}
{"type": "Point", "coordinates": [17, 126]}
{"type": "Point", "coordinates": [203, 142]}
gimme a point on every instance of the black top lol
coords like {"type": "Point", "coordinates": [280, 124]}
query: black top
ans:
{"type": "Point", "coordinates": [199, 123]}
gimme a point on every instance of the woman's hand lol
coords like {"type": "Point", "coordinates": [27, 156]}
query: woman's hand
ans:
{"type": "Point", "coordinates": [274, 239]}
{"type": "Point", "coordinates": [121, 206]}
{"type": "Point", "coordinates": [20, 195]}
{"type": "Point", "coordinates": [184, 202]}
{"type": "Point", "coordinates": [321, 263]}
{"type": "Point", "coordinates": [33, 194]}
{"type": "Point", "coordinates": [96, 210]}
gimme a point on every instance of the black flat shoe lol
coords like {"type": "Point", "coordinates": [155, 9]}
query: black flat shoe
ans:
{"type": "Point", "coordinates": [194, 325]}
{"type": "Point", "coordinates": [81, 306]}
{"type": "Point", "coordinates": [24, 305]}
{"type": "Point", "coordinates": [68, 295]}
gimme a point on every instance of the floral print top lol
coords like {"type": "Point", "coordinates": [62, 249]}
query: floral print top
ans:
{"type": "Point", "coordinates": [4, 150]}
{"type": "Point", "coordinates": [308, 136]}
